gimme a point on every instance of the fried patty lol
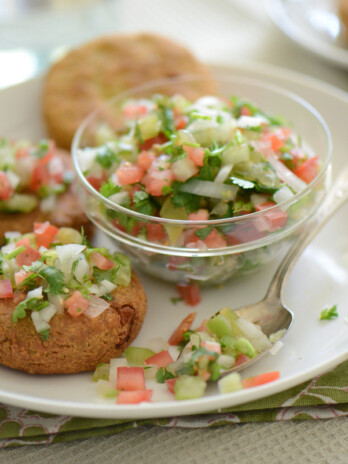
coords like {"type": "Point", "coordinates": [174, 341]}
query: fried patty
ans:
{"type": "Point", "coordinates": [74, 345]}
{"type": "Point", "coordinates": [90, 75]}
{"type": "Point", "coordinates": [67, 213]}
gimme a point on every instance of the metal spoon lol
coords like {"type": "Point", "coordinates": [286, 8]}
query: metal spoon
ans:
{"type": "Point", "coordinates": [270, 313]}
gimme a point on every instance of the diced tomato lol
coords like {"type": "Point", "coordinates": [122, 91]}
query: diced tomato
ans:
{"type": "Point", "coordinates": [155, 232]}
{"type": "Point", "coordinates": [130, 378]}
{"type": "Point", "coordinates": [129, 174]}
{"type": "Point", "coordinates": [96, 182]}
{"type": "Point", "coordinates": [212, 346]}
{"type": "Point", "coordinates": [262, 206]}
{"type": "Point", "coordinates": [189, 293]}
{"type": "Point", "coordinates": [134, 111]}
{"type": "Point", "coordinates": [49, 155]}
{"type": "Point", "coordinates": [200, 215]}
{"type": "Point", "coordinates": [170, 384]}
{"type": "Point", "coordinates": [308, 170]}
{"type": "Point", "coordinates": [155, 180]}
{"type": "Point", "coordinates": [271, 221]}
{"type": "Point", "coordinates": [215, 240]}
{"type": "Point", "coordinates": [183, 327]}
{"type": "Point", "coordinates": [161, 359]}
{"type": "Point", "coordinates": [145, 159]}
{"type": "Point", "coordinates": [136, 228]}
{"type": "Point", "coordinates": [101, 261]}
{"type": "Point", "coordinates": [6, 290]}
{"type": "Point", "coordinates": [134, 397]}
{"type": "Point", "coordinates": [243, 234]}
{"type": "Point", "coordinates": [6, 189]}
{"type": "Point", "coordinates": [241, 359]}
{"type": "Point", "coordinates": [158, 140]}
{"type": "Point", "coordinates": [23, 241]}
{"type": "Point", "coordinates": [175, 261]}
{"type": "Point", "coordinates": [22, 153]}
{"type": "Point", "coordinates": [21, 275]}
{"type": "Point", "coordinates": [261, 379]}
{"type": "Point", "coordinates": [245, 111]}
{"type": "Point", "coordinates": [180, 122]}
{"type": "Point", "coordinates": [44, 233]}
{"type": "Point", "coordinates": [195, 154]}
{"type": "Point", "coordinates": [76, 304]}
{"type": "Point", "coordinates": [39, 177]}
{"type": "Point", "coordinates": [28, 256]}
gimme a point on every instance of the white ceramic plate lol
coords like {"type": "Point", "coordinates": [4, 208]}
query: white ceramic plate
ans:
{"type": "Point", "coordinates": [319, 279]}
{"type": "Point", "coordinates": [314, 25]}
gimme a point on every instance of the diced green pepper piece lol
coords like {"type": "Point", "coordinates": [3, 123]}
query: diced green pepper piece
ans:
{"type": "Point", "coordinates": [136, 356]}
{"type": "Point", "coordinates": [101, 372]}
{"type": "Point", "coordinates": [244, 346]}
{"type": "Point", "coordinates": [230, 383]}
{"type": "Point", "coordinates": [220, 326]}
{"type": "Point", "coordinates": [189, 387]}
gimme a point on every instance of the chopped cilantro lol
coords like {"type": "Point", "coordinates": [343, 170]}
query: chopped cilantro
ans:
{"type": "Point", "coordinates": [45, 334]}
{"type": "Point", "coordinates": [138, 134]}
{"type": "Point", "coordinates": [143, 203]}
{"type": "Point", "coordinates": [175, 299]}
{"type": "Point", "coordinates": [167, 119]}
{"type": "Point", "coordinates": [106, 157]}
{"type": "Point", "coordinates": [32, 304]}
{"type": "Point", "coordinates": [329, 313]}
{"type": "Point", "coordinates": [109, 188]}
{"type": "Point", "coordinates": [182, 199]}
{"type": "Point", "coordinates": [101, 275]}
{"type": "Point", "coordinates": [108, 297]}
{"type": "Point", "coordinates": [163, 374]}
{"type": "Point", "coordinates": [204, 232]}
{"type": "Point", "coordinates": [55, 279]}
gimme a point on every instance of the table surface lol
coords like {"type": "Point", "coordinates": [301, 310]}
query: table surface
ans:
{"type": "Point", "coordinates": [216, 31]}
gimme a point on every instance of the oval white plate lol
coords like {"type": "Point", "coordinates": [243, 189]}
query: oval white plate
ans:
{"type": "Point", "coordinates": [319, 279]}
{"type": "Point", "coordinates": [314, 25]}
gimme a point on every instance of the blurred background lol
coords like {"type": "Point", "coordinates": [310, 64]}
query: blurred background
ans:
{"type": "Point", "coordinates": [33, 33]}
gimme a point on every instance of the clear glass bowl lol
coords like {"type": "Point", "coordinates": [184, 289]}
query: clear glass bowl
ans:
{"type": "Point", "coordinates": [250, 241]}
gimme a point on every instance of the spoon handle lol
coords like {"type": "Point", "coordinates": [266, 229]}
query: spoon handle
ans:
{"type": "Point", "coordinates": [336, 197]}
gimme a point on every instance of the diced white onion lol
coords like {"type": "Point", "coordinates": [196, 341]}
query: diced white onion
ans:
{"type": "Point", "coordinates": [57, 301]}
{"type": "Point", "coordinates": [258, 199]}
{"type": "Point", "coordinates": [107, 286]}
{"type": "Point", "coordinates": [119, 198]}
{"type": "Point", "coordinates": [251, 121]}
{"type": "Point", "coordinates": [183, 169]}
{"type": "Point", "coordinates": [276, 347]}
{"type": "Point", "coordinates": [12, 235]}
{"type": "Point", "coordinates": [223, 173]}
{"type": "Point", "coordinates": [39, 324]}
{"type": "Point", "coordinates": [210, 189]}
{"type": "Point", "coordinates": [8, 248]}
{"type": "Point", "coordinates": [285, 174]}
{"type": "Point", "coordinates": [226, 361]}
{"type": "Point", "coordinates": [42, 249]}
{"type": "Point", "coordinates": [55, 166]}
{"type": "Point", "coordinates": [96, 307]}
{"type": "Point", "coordinates": [67, 254]}
{"type": "Point", "coordinates": [150, 372]}
{"type": "Point", "coordinates": [36, 293]}
{"type": "Point", "coordinates": [47, 313]}
{"type": "Point", "coordinates": [236, 154]}
{"type": "Point", "coordinates": [283, 194]}
{"type": "Point", "coordinates": [48, 204]}
{"type": "Point", "coordinates": [82, 268]}
{"type": "Point", "coordinates": [86, 158]}
{"type": "Point", "coordinates": [254, 334]}
{"type": "Point", "coordinates": [114, 364]}
{"type": "Point", "coordinates": [13, 179]}
{"type": "Point", "coordinates": [157, 344]}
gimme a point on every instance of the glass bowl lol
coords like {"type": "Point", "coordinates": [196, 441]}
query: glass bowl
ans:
{"type": "Point", "coordinates": [250, 240]}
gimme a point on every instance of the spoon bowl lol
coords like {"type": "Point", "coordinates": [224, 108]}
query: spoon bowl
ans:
{"type": "Point", "coordinates": [270, 314]}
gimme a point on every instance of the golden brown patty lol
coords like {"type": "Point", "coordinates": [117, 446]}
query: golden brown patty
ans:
{"type": "Point", "coordinates": [343, 12]}
{"type": "Point", "coordinates": [67, 213]}
{"type": "Point", "coordinates": [90, 75]}
{"type": "Point", "coordinates": [74, 345]}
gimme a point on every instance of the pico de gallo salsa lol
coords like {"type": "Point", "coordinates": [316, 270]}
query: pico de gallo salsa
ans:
{"type": "Point", "coordinates": [53, 270]}
{"type": "Point", "coordinates": [31, 175]}
{"type": "Point", "coordinates": [211, 159]}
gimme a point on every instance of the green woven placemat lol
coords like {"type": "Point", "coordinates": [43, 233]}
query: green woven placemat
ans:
{"type": "Point", "coordinates": [323, 397]}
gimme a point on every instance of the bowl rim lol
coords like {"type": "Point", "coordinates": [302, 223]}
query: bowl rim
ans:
{"type": "Point", "coordinates": [219, 76]}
